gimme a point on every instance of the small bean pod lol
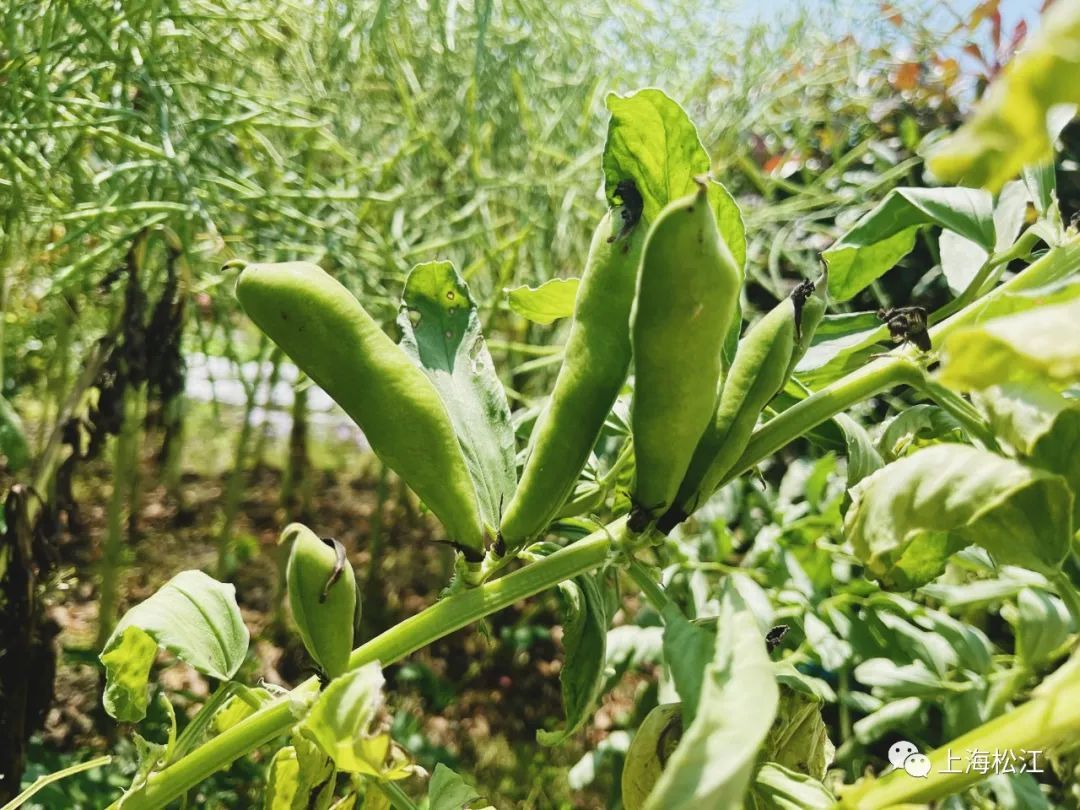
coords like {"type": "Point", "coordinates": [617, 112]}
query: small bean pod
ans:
{"type": "Point", "coordinates": [594, 368]}
{"type": "Point", "coordinates": [764, 360]}
{"type": "Point", "coordinates": [322, 597]}
{"type": "Point", "coordinates": [688, 289]}
{"type": "Point", "coordinates": [328, 334]}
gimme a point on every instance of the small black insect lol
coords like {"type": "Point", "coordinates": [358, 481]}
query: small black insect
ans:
{"type": "Point", "coordinates": [775, 636]}
{"type": "Point", "coordinates": [907, 325]}
{"type": "Point", "coordinates": [799, 297]}
{"type": "Point", "coordinates": [632, 205]}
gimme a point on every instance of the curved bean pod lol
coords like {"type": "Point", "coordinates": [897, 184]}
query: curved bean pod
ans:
{"type": "Point", "coordinates": [328, 334]}
{"type": "Point", "coordinates": [594, 368]}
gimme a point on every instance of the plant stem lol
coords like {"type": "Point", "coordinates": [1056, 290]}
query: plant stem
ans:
{"type": "Point", "coordinates": [398, 798]}
{"type": "Point", "coordinates": [652, 591]}
{"type": "Point", "coordinates": [441, 619]}
{"type": "Point", "coordinates": [1045, 721]}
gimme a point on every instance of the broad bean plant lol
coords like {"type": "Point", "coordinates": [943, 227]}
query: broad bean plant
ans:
{"type": "Point", "coordinates": [657, 322]}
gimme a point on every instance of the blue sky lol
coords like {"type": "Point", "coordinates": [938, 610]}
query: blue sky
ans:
{"type": "Point", "coordinates": [1011, 10]}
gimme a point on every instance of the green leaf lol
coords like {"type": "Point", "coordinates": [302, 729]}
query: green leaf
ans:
{"type": "Point", "coordinates": [282, 780]}
{"type": "Point", "coordinates": [341, 717]}
{"type": "Point", "coordinates": [887, 233]}
{"type": "Point", "coordinates": [1043, 625]}
{"type": "Point", "coordinates": [440, 329]}
{"type": "Point", "coordinates": [862, 456]}
{"type": "Point", "coordinates": [890, 680]}
{"type": "Point", "coordinates": [192, 616]}
{"type": "Point", "coordinates": [1009, 129]}
{"type": "Point", "coordinates": [915, 427]}
{"type": "Point", "coordinates": [1017, 791]}
{"type": "Point", "coordinates": [961, 260]}
{"type": "Point", "coordinates": [907, 518]}
{"type": "Point", "coordinates": [799, 738]}
{"type": "Point", "coordinates": [13, 445]}
{"type": "Point", "coordinates": [1038, 345]}
{"type": "Point", "coordinates": [779, 788]}
{"type": "Point", "coordinates": [550, 301]}
{"type": "Point", "coordinates": [897, 714]}
{"type": "Point", "coordinates": [585, 624]}
{"type": "Point", "coordinates": [1041, 425]}
{"type": "Point", "coordinates": [841, 343]}
{"type": "Point", "coordinates": [448, 791]}
{"type": "Point", "coordinates": [832, 651]}
{"type": "Point", "coordinates": [1010, 211]}
{"type": "Point", "coordinates": [714, 762]}
{"type": "Point", "coordinates": [689, 651]}
{"type": "Point", "coordinates": [652, 141]}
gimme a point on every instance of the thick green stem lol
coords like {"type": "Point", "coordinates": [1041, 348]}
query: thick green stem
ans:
{"type": "Point", "coordinates": [1045, 721]}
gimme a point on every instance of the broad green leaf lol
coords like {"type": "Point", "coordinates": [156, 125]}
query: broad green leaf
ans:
{"type": "Point", "coordinates": [1038, 345]}
{"type": "Point", "coordinates": [862, 456]}
{"type": "Point", "coordinates": [440, 330]}
{"type": "Point", "coordinates": [689, 651]}
{"type": "Point", "coordinates": [13, 447]}
{"type": "Point", "coordinates": [972, 648]}
{"type": "Point", "coordinates": [896, 714]}
{"type": "Point", "coordinates": [714, 762]}
{"type": "Point", "coordinates": [1041, 425]}
{"type": "Point", "coordinates": [282, 780]}
{"type": "Point", "coordinates": [906, 519]}
{"type": "Point", "coordinates": [799, 738]}
{"type": "Point", "coordinates": [652, 141]}
{"type": "Point", "coordinates": [887, 233]}
{"type": "Point", "coordinates": [192, 616]}
{"type": "Point", "coordinates": [1042, 624]}
{"type": "Point", "coordinates": [841, 343]}
{"type": "Point", "coordinates": [341, 718]}
{"type": "Point", "coordinates": [448, 791]}
{"type": "Point", "coordinates": [1010, 211]}
{"type": "Point", "coordinates": [585, 624]}
{"type": "Point", "coordinates": [1017, 791]}
{"type": "Point", "coordinates": [915, 427]}
{"type": "Point", "coordinates": [778, 788]}
{"type": "Point", "coordinates": [550, 301]}
{"type": "Point", "coordinates": [1009, 129]}
{"type": "Point", "coordinates": [961, 260]}
{"type": "Point", "coordinates": [890, 680]}
{"type": "Point", "coordinates": [833, 652]}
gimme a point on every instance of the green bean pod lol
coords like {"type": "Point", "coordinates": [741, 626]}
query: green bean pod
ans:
{"type": "Point", "coordinates": [322, 597]}
{"type": "Point", "coordinates": [688, 289]}
{"type": "Point", "coordinates": [328, 334]}
{"type": "Point", "coordinates": [764, 360]}
{"type": "Point", "coordinates": [594, 368]}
